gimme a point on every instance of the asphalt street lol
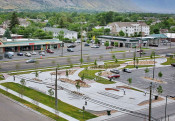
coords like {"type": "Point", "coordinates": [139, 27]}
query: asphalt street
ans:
{"type": "Point", "coordinates": [10, 111]}
{"type": "Point", "coordinates": [93, 54]}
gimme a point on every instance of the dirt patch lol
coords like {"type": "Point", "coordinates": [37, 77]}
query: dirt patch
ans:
{"type": "Point", "coordinates": [147, 101]}
{"type": "Point", "coordinates": [146, 62]}
{"type": "Point", "coordinates": [106, 73]}
{"type": "Point", "coordinates": [71, 72]}
{"type": "Point", "coordinates": [102, 113]}
{"type": "Point", "coordinates": [111, 89]}
{"type": "Point", "coordinates": [155, 80]}
{"type": "Point", "coordinates": [36, 79]}
{"type": "Point", "coordinates": [82, 83]}
{"type": "Point", "coordinates": [125, 87]}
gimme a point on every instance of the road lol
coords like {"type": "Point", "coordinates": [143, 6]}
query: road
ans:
{"type": "Point", "coordinates": [10, 111]}
{"type": "Point", "coordinates": [46, 62]}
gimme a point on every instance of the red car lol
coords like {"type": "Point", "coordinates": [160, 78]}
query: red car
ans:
{"type": "Point", "coordinates": [49, 51]}
{"type": "Point", "coordinates": [109, 47]}
{"type": "Point", "coordinates": [114, 76]}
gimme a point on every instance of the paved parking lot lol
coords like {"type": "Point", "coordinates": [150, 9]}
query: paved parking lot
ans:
{"type": "Point", "coordinates": [138, 80]}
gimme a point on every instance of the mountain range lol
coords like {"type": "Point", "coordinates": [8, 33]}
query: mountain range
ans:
{"type": "Point", "coordinates": [156, 6]}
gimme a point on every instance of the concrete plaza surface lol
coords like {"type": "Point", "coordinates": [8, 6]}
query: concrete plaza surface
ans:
{"type": "Point", "coordinates": [97, 97]}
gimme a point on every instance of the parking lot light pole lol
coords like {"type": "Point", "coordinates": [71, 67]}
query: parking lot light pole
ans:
{"type": "Point", "coordinates": [56, 100]}
{"type": "Point", "coordinates": [150, 101]}
{"type": "Point", "coordinates": [166, 107]}
{"type": "Point", "coordinates": [83, 112]}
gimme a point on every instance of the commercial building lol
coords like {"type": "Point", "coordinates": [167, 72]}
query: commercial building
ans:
{"type": "Point", "coordinates": [29, 45]}
{"type": "Point", "coordinates": [129, 28]}
{"type": "Point", "coordinates": [67, 33]}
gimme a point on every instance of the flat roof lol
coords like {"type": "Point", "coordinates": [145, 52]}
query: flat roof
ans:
{"type": "Point", "coordinates": [30, 42]}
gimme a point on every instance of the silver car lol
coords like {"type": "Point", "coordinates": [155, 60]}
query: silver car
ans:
{"type": "Point", "coordinates": [27, 54]}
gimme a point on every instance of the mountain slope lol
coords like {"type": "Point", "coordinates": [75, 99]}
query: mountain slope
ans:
{"type": "Point", "coordinates": [157, 6]}
{"type": "Point", "coordinates": [100, 5]}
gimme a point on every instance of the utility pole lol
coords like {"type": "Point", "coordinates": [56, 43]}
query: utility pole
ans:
{"type": "Point", "coordinates": [166, 106]}
{"type": "Point", "coordinates": [141, 42]}
{"type": "Point", "coordinates": [56, 100]}
{"type": "Point", "coordinates": [150, 101]}
{"type": "Point", "coordinates": [62, 49]}
{"type": "Point", "coordinates": [81, 47]}
{"type": "Point", "coordinates": [154, 65]}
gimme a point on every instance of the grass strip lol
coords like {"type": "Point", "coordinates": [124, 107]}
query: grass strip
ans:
{"type": "Point", "coordinates": [49, 101]}
{"type": "Point", "coordinates": [34, 107]}
{"type": "Point", "coordinates": [139, 66]}
{"type": "Point", "coordinates": [90, 74]}
{"type": "Point", "coordinates": [169, 61]}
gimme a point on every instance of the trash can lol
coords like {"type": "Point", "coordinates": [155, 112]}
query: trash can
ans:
{"type": "Point", "coordinates": [137, 67]}
{"type": "Point", "coordinates": [156, 97]}
{"type": "Point", "coordinates": [108, 112]}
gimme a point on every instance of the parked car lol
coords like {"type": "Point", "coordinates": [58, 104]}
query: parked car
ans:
{"type": "Point", "coordinates": [8, 55]}
{"type": "Point", "coordinates": [31, 61]}
{"type": "Point", "coordinates": [173, 64]}
{"type": "Point", "coordinates": [27, 54]}
{"type": "Point", "coordinates": [116, 71]}
{"type": "Point", "coordinates": [109, 47]}
{"type": "Point", "coordinates": [71, 46]}
{"type": "Point", "coordinates": [140, 51]}
{"type": "Point", "coordinates": [127, 70]}
{"type": "Point", "coordinates": [95, 46]}
{"type": "Point", "coordinates": [49, 51]}
{"type": "Point", "coordinates": [114, 76]}
{"type": "Point", "coordinates": [19, 54]}
{"type": "Point", "coordinates": [42, 53]}
{"type": "Point", "coordinates": [86, 44]}
{"type": "Point", "coordinates": [70, 50]}
{"type": "Point", "coordinates": [33, 53]}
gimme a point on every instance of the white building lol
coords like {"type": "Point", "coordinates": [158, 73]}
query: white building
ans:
{"type": "Point", "coordinates": [67, 33]}
{"type": "Point", "coordinates": [105, 27]}
{"type": "Point", "coordinates": [130, 28]}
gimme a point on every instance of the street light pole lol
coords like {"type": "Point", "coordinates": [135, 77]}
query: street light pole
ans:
{"type": "Point", "coordinates": [56, 101]}
{"type": "Point", "coordinates": [154, 65]}
{"type": "Point", "coordinates": [83, 112]}
{"type": "Point", "coordinates": [141, 42]}
{"type": "Point", "coordinates": [166, 106]}
{"type": "Point", "coordinates": [150, 101]}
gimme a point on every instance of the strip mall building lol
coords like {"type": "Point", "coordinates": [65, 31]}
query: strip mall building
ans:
{"type": "Point", "coordinates": [29, 45]}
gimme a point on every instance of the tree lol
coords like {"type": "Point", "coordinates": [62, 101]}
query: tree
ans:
{"type": "Point", "coordinates": [116, 44]}
{"type": "Point", "coordinates": [77, 85]}
{"type": "Point", "coordinates": [159, 89]}
{"type": "Point", "coordinates": [14, 21]}
{"type": "Point", "coordinates": [7, 34]}
{"type": "Point", "coordinates": [95, 62]}
{"type": "Point", "coordinates": [67, 73]}
{"type": "Point", "coordinates": [146, 71]}
{"type": "Point", "coordinates": [160, 74]}
{"type": "Point", "coordinates": [81, 60]}
{"type": "Point", "coordinates": [88, 41]}
{"type": "Point", "coordinates": [96, 41]}
{"type": "Point", "coordinates": [121, 33]}
{"type": "Point", "coordinates": [113, 57]}
{"type": "Point", "coordinates": [82, 77]}
{"type": "Point", "coordinates": [107, 43]}
{"type": "Point", "coordinates": [51, 93]}
{"type": "Point", "coordinates": [22, 89]}
{"type": "Point", "coordinates": [129, 80]}
{"type": "Point", "coordinates": [116, 60]}
{"type": "Point", "coordinates": [61, 36]}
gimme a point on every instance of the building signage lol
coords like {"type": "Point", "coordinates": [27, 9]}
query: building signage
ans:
{"type": "Point", "coordinates": [47, 42]}
{"type": "Point", "coordinates": [31, 43]}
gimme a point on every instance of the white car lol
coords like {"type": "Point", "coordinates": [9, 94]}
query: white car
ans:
{"type": "Point", "coordinates": [33, 53]}
{"type": "Point", "coordinates": [27, 54]}
{"type": "Point", "coordinates": [95, 46]}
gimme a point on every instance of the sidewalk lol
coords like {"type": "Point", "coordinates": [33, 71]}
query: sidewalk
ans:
{"type": "Point", "coordinates": [69, 118]}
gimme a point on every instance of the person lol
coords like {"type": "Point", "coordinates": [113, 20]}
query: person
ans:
{"type": "Point", "coordinates": [145, 93]}
{"type": "Point", "coordinates": [124, 91]}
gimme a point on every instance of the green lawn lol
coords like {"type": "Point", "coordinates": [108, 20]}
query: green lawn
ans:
{"type": "Point", "coordinates": [90, 74]}
{"type": "Point", "coordinates": [49, 101]}
{"type": "Point", "coordinates": [41, 110]}
{"type": "Point", "coordinates": [1, 77]}
{"type": "Point", "coordinates": [139, 66]}
{"type": "Point", "coordinates": [169, 61]}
